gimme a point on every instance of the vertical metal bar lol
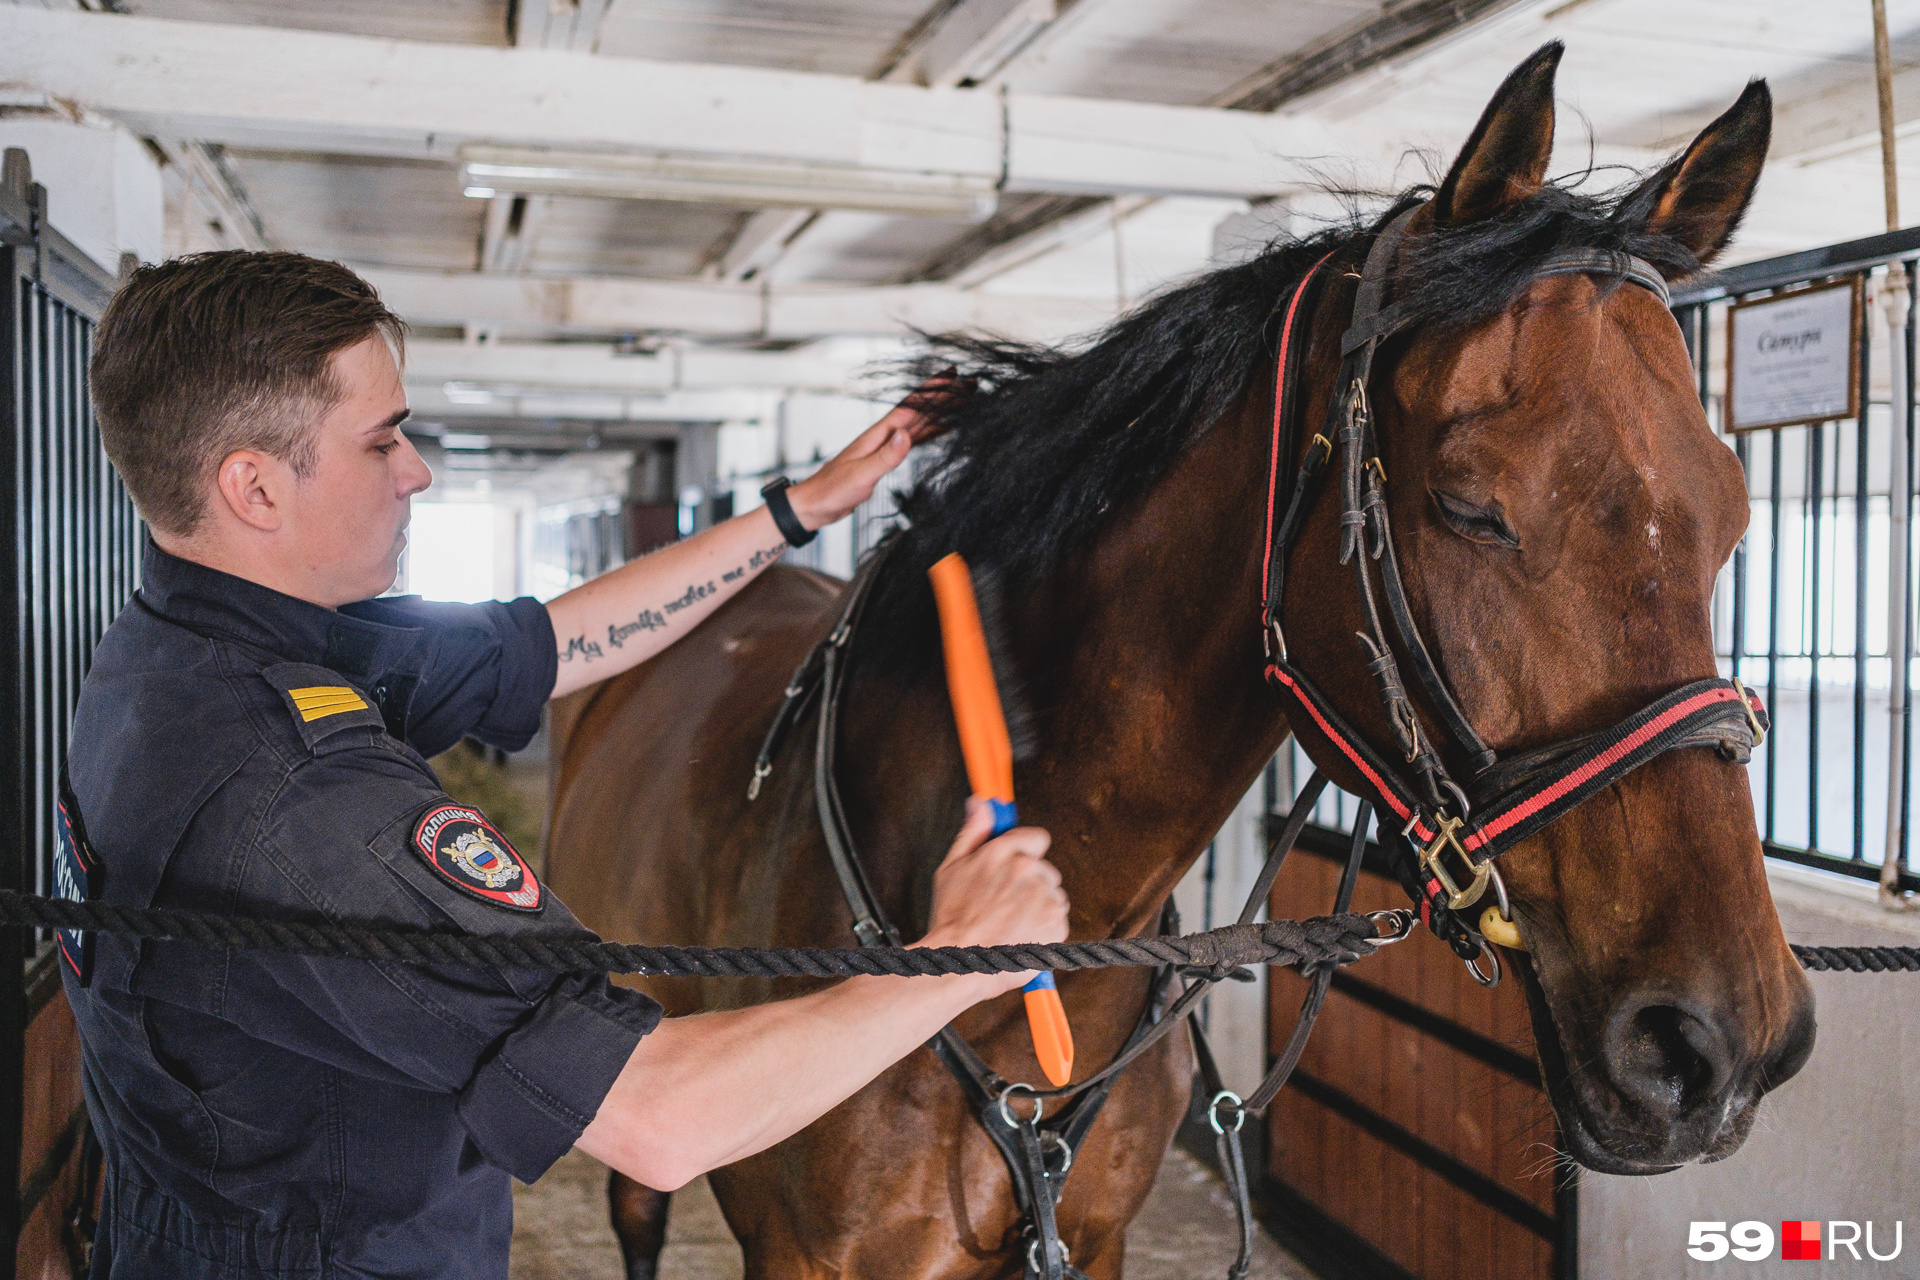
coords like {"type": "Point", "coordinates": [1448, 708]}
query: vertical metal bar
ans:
{"type": "Point", "coordinates": [1905, 481]}
{"type": "Point", "coordinates": [1860, 482]}
{"type": "Point", "coordinates": [1859, 615]}
{"type": "Point", "coordinates": [16, 745]}
{"type": "Point", "coordinates": [1743, 451]}
{"type": "Point", "coordinates": [1773, 618]}
{"type": "Point", "coordinates": [1810, 609]}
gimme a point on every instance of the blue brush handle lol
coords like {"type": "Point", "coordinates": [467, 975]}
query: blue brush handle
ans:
{"type": "Point", "coordinates": [1004, 819]}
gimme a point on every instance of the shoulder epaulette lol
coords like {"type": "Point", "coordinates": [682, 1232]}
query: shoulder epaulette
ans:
{"type": "Point", "coordinates": [320, 703]}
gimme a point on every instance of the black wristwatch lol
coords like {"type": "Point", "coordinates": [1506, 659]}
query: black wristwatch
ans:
{"type": "Point", "coordinates": [775, 492]}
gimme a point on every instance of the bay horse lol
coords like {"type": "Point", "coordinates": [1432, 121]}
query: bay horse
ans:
{"type": "Point", "coordinates": [1561, 509]}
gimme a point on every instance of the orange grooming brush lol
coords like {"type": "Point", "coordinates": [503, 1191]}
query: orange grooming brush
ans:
{"type": "Point", "coordinates": [989, 755]}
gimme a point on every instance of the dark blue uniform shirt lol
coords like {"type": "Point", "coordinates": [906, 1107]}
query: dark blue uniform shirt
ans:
{"type": "Point", "coordinates": [237, 750]}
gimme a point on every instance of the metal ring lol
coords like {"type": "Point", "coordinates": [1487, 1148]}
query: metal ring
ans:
{"type": "Point", "coordinates": [1493, 958]}
{"type": "Point", "coordinates": [1033, 1255]}
{"type": "Point", "coordinates": [1500, 893]}
{"type": "Point", "coordinates": [1239, 1111]}
{"type": "Point", "coordinates": [1399, 920]}
{"type": "Point", "coordinates": [1059, 1140]}
{"type": "Point", "coordinates": [1459, 797]}
{"type": "Point", "coordinates": [1006, 1112]}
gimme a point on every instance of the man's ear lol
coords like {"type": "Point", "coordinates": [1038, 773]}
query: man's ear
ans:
{"type": "Point", "coordinates": [246, 485]}
{"type": "Point", "coordinates": [1699, 196]}
{"type": "Point", "coordinates": [1505, 159]}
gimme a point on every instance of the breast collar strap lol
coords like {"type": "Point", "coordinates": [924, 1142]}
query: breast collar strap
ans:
{"type": "Point", "coordinates": [1457, 831]}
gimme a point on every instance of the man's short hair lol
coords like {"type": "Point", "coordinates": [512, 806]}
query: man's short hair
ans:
{"type": "Point", "coordinates": [201, 356]}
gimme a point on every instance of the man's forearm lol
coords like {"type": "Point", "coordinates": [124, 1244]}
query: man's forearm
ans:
{"type": "Point", "coordinates": [624, 617]}
{"type": "Point", "coordinates": [707, 1090]}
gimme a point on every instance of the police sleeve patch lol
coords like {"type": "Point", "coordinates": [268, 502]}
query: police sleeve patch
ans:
{"type": "Point", "coordinates": [476, 859]}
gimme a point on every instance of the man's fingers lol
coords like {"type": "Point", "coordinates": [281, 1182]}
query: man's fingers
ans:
{"type": "Point", "coordinates": [974, 832]}
{"type": "Point", "coordinates": [1031, 841]}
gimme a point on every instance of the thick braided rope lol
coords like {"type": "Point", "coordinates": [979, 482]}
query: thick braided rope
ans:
{"type": "Point", "coordinates": [1323, 940]}
{"type": "Point", "coordinates": [1860, 959]}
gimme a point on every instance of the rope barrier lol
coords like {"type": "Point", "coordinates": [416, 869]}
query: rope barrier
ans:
{"type": "Point", "coordinates": [1859, 959]}
{"type": "Point", "coordinates": [1323, 940]}
{"type": "Point", "coordinates": [1320, 941]}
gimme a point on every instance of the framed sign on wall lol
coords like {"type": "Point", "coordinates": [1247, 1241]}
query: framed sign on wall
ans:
{"type": "Point", "coordinates": [1794, 358]}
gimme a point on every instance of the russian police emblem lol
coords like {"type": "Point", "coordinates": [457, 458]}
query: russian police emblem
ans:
{"type": "Point", "coordinates": [469, 853]}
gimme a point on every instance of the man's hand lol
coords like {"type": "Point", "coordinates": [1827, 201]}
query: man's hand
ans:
{"type": "Point", "coordinates": [847, 481]}
{"type": "Point", "coordinates": [710, 1089]}
{"type": "Point", "coordinates": [990, 892]}
{"type": "Point", "coordinates": [622, 618]}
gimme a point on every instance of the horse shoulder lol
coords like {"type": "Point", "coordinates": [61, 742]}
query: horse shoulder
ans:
{"type": "Point", "coordinates": [650, 767]}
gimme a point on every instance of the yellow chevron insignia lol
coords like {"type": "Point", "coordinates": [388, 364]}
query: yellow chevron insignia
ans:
{"type": "Point", "coordinates": [325, 700]}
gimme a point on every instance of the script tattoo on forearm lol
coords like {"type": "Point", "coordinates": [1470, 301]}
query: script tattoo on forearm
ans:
{"type": "Point", "coordinates": [618, 633]}
{"type": "Point", "coordinates": [647, 620]}
{"type": "Point", "coordinates": [580, 647]}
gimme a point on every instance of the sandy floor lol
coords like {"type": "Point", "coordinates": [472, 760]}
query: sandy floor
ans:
{"type": "Point", "coordinates": [1186, 1231]}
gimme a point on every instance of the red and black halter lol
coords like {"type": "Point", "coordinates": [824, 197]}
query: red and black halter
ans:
{"type": "Point", "coordinates": [1454, 832]}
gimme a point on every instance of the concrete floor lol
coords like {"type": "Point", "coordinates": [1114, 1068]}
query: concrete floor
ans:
{"type": "Point", "coordinates": [1185, 1232]}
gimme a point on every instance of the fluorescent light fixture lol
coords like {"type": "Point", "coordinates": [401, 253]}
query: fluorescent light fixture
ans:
{"type": "Point", "coordinates": [465, 440]}
{"type": "Point", "coordinates": [749, 184]}
{"type": "Point", "coordinates": [467, 393]}
{"type": "Point", "coordinates": [480, 193]}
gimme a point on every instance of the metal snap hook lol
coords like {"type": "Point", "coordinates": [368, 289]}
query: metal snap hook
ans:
{"type": "Point", "coordinates": [1231, 1099]}
{"type": "Point", "coordinates": [1399, 923]}
{"type": "Point", "coordinates": [1006, 1112]}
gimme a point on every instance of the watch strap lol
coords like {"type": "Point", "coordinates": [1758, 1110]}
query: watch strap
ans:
{"type": "Point", "coordinates": [775, 492]}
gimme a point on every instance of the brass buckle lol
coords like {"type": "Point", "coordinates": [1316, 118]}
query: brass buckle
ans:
{"type": "Point", "coordinates": [1323, 442]}
{"type": "Point", "coordinates": [1457, 898]}
{"type": "Point", "coordinates": [1753, 718]}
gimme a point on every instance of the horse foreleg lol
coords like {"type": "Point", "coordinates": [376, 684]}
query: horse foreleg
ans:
{"type": "Point", "coordinates": [640, 1221]}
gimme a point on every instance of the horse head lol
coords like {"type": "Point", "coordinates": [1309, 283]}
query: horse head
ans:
{"type": "Point", "coordinates": [1561, 509]}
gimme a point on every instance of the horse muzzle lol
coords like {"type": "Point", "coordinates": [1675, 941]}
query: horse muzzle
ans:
{"type": "Point", "coordinates": [1672, 1080]}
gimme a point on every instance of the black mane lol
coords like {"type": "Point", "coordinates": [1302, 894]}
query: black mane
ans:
{"type": "Point", "coordinates": [1056, 438]}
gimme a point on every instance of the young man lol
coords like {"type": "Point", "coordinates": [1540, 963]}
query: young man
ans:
{"type": "Point", "coordinates": [252, 738]}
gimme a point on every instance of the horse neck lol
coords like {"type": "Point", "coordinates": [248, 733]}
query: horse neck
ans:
{"type": "Point", "coordinates": [1157, 719]}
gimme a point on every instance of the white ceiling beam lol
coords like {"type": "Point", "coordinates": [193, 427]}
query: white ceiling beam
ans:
{"type": "Point", "coordinates": [534, 367]}
{"type": "Point", "coordinates": [1843, 120]}
{"type": "Point", "coordinates": [508, 239]}
{"type": "Point", "coordinates": [558, 24]}
{"type": "Point", "coordinates": [430, 401]}
{"type": "Point", "coordinates": [972, 41]}
{"type": "Point", "coordinates": [360, 95]}
{"type": "Point", "coordinates": [762, 241]}
{"type": "Point", "coordinates": [525, 304]}
{"type": "Point", "coordinates": [213, 185]}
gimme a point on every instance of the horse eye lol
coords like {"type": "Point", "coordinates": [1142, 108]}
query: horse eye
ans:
{"type": "Point", "coordinates": [1477, 522]}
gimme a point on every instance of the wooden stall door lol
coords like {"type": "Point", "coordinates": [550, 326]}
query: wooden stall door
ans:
{"type": "Point", "coordinates": [1415, 1135]}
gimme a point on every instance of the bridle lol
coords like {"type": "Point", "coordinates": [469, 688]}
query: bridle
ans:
{"type": "Point", "coordinates": [1456, 831]}
{"type": "Point", "coordinates": [1503, 801]}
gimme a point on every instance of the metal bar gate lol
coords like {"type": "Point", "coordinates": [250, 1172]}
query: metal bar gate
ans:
{"type": "Point", "coordinates": [73, 556]}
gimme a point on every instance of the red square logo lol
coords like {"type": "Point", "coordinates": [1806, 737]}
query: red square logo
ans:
{"type": "Point", "coordinates": [1800, 1241]}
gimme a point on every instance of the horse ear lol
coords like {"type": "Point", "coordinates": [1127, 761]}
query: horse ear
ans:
{"type": "Point", "coordinates": [1505, 161]}
{"type": "Point", "coordinates": [1699, 196]}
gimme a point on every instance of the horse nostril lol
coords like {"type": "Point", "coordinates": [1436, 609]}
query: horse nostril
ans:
{"type": "Point", "coordinates": [1666, 1059]}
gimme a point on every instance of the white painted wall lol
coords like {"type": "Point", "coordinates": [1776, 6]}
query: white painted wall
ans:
{"type": "Point", "coordinates": [1236, 1011]}
{"type": "Point", "coordinates": [103, 186]}
{"type": "Point", "coordinates": [1841, 1140]}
